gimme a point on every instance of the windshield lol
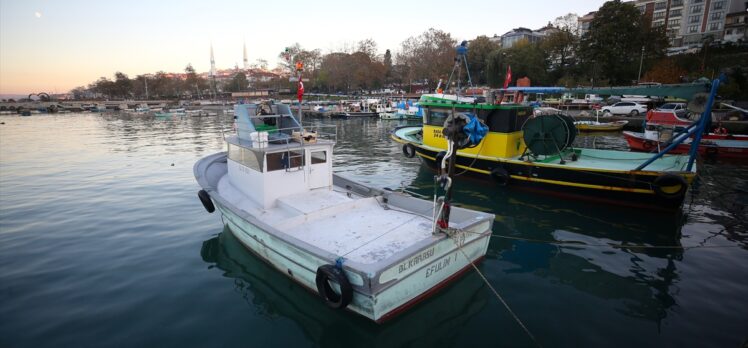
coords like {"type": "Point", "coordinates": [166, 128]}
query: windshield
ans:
{"type": "Point", "coordinates": [668, 106]}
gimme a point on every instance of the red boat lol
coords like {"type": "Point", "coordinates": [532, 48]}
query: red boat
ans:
{"type": "Point", "coordinates": [662, 126]}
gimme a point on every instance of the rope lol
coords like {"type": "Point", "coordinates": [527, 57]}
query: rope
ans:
{"type": "Point", "coordinates": [623, 246]}
{"type": "Point", "coordinates": [516, 318]}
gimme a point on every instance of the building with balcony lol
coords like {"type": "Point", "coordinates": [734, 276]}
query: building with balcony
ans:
{"type": "Point", "coordinates": [736, 25]}
{"type": "Point", "coordinates": [689, 22]}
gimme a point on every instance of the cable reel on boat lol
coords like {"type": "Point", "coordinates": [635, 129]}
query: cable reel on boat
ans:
{"type": "Point", "coordinates": [546, 135]}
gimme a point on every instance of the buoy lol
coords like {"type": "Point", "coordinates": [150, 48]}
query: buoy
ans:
{"type": "Point", "coordinates": [500, 176]}
{"type": "Point", "coordinates": [409, 150]}
{"type": "Point", "coordinates": [207, 202]}
{"type": "Point", "coordinates": [670, 186]}
{"type": "Point", "coordinates": [327, 273]}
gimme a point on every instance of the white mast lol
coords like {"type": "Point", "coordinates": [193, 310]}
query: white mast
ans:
{"type": "Point", "coordinates": [212, 62]}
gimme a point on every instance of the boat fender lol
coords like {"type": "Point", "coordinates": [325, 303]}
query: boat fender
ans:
{"type": "Point", "coordinates": [500, 176]}
{"type": "Point", "coordinates": [327, 273]}
{"type": "Point", "coordinates": [409, 150]}
{"type": "Point", "coordinates": [205, 199]}
{"type": "Point", "coordinates": [670, 186]}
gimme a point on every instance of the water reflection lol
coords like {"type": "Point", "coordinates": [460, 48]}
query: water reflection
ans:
{"type": "Point", "coordinates": [579, 244]}
{"type": "Point", "coordinates": [273, 295]}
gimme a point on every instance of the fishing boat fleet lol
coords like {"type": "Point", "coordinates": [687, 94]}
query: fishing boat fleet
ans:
{"type": "Point", "coordinates": [377, 252]}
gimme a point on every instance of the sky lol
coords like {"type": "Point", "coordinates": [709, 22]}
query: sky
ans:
{"type": "Point", "coordinates": [55, 45]}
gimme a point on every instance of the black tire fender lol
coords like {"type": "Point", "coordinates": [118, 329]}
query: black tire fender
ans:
{"type": "Point", "coordinates": [409, 150]}
{"type": "Point", "coordinates": [500, 176]}
{"type": "Point", "coordinates": [670, 186]}
{"type": "Point", "coordinates": [327, 273]}
{"type": "Point", "coordinates": [205, 199]}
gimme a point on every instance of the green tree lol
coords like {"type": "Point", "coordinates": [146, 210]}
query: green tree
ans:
{"type": "Point", "coordinates": [122, 85]}
{"type": "Point", "coordinates": [528, 60]}
{"type": "Point", "coordinates": [615, 40]}
{"type": "Point", "coordinates": [477, 58]}
{"type": "Point", "coordinates": [560, 47]}
{"type": "Point", "coordinates": [496, 68]}
{"type": "Point", "coordinates": [387, 66]}
{"type": "Point", "coordinates": [238, 83]}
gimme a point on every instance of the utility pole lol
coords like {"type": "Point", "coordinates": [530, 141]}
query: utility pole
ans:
{"type": "Point", "coordinates": [641, 61]}
{"type": "Point", "coordinates": [145, 79]}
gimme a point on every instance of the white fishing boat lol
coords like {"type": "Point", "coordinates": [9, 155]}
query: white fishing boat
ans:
{"type": "Point", "coordinates": [374, 252]}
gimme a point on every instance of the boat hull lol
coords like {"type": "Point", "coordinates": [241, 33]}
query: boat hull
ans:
{"type": "Point", "coordinates": [380, 290]}
{"type": "Point", "coordinates": [619, 187]}
{"type": "Point", "coordinates": [712, 145]}
{"type": "Point", "coordinates": [301, 267]}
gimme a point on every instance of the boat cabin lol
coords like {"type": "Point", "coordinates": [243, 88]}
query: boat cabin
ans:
{"type": "Point", "coordinates": [504, 138]}
{"type": "Point", "coordinates": [272, 156]}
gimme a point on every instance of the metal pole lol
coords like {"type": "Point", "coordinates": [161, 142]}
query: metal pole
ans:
{"type": "Point", "coordinates": [641, 61]}
{"type": "Point", "coordinates": [145, 78]}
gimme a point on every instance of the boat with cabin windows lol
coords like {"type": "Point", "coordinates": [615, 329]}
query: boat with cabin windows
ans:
{"type": "Point", "coordinates": [374, 252]}
{"type": "Point", "coordinates": [535, 152]}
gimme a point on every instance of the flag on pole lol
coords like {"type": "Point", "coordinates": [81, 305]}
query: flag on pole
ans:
{"type": "Point", "coordinates": [508, 78]}
{"type": "Point", "coordinates": [300, 91]}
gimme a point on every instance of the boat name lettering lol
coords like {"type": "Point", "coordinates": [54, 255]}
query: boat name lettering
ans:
{"type": "Point", "coordinates": [443, 263]}
{"type": "Point", "coordinates": [438, 133]}
{"type": "Point", "coordinates": [415, 260]}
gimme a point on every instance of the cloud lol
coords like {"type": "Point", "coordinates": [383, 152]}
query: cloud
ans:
{"type": "Point", "coordinates": [38, 14]}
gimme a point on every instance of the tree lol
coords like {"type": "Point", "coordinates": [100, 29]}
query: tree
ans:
{"type": "Point", "coordinates": [477, 58]}
{"type": "Point", "coordinates": [387, 66]}
{"type": "Point", "coordinates": [496, 68]}
{"type": "Point", "coordinates": [560, 47]}
{"type": "Point", "coordinates": [615, 40]}
{"type": "Point", "coordinates": [528, 60]}
{"type": "Point", "coordinates": [122, 85]}
{"type": "Point", "coordinates": [78, 92]}
{"type": "Point", "coordinates": [665, 71]}
{"type": "Point", "coordinates": [238, 83]}
{"type": "Point", "coordinates": [428, 56]}
{"type": "Point", "coordinates": [568, 22]}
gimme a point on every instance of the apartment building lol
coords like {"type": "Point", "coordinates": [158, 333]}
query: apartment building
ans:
{"type": "Point", "coordinates": [689, 22]}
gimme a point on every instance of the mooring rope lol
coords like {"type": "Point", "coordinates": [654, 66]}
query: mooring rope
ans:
{"type": "Point", "coordinates": [501, 299]}
{"type": "Point", "coordinates": [622, 246]}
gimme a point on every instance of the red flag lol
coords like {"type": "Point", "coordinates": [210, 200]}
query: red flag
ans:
{"type": "Point", "coordinates": [300, 91]}
{"type": "Point", "coordinates": [508, 78]}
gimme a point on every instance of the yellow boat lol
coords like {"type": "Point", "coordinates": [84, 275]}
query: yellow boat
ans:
{"type": "Point", "coordinates": [595, 126]}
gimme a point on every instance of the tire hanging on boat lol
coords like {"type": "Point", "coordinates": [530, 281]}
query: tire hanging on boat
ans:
{"type": "Point", "coordinates": [500, 176]}
{"type": "Point", "coordinates": [205, 199]}
{"type": "Point", "coordinates": [409, 150]}
{"type": "Point", "coordinates": [670, 186]}
{"type": "Point", "coordinates": [327, 273]}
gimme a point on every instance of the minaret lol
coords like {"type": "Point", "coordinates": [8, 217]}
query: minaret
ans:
{"type": "Point", "coordinates": [212, 62]}
{"type": "Point", "coordinates": [246, 62]}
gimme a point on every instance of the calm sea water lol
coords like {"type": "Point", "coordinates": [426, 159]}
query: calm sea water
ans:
{"type": "Point", "coordinates": [104, 243]}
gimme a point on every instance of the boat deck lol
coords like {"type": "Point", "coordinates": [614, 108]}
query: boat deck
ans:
{"type": "Point", "coordinates": [359, 229]}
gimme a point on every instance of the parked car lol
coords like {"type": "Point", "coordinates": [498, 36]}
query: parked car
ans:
{"type": "Point", "coordinates": [678, 108]}
{"type": "Point", "coordinates": [625, 108]}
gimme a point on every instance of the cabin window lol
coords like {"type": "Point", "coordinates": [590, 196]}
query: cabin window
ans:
{"type": "Point", "coordinates": [319, 157]}
{"type": "Point", "coordinates": [293, 159]}
{"type": "Point", "coordinates": [245, 157]}
{"type": "Point", "coordinates": [436, 117]}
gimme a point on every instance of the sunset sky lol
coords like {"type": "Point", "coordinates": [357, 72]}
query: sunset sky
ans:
{"type": "Point", "coordinates": [54, 46]}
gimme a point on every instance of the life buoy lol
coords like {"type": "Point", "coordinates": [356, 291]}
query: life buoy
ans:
{"type": "Point", "coordinates": [409, 150]}
{"type": "Point", "coordinates": [500, 176]}
{"type": "Point", "coordinates": [205, 199]}
{"type": "Point", "coordinates": [670, 186]}
{"type": "Point", "coordinates": [327, 273]}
